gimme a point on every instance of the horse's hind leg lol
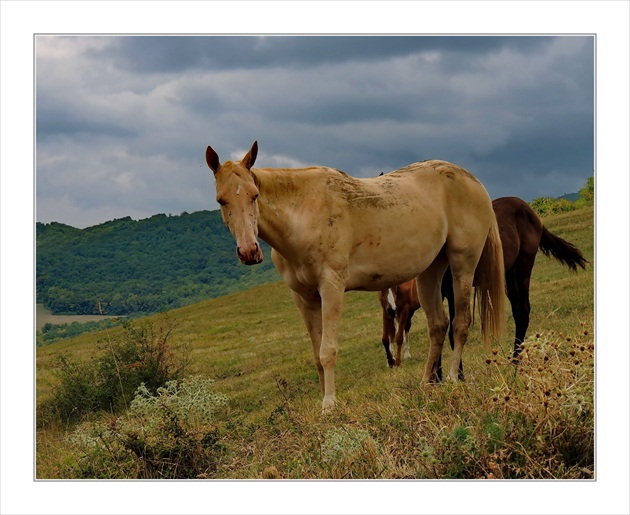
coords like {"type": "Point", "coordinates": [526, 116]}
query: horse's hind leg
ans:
{"type": "Point", "coordinates": [463, 274]}
{"type": "Point", "coordinates": [431, 301]}
{"type": "Point", "coordinates": [406, 345]}
{"type": "Point", "coordinates": [517, 283]}
{"type": "Point", "coordinates": [447, 293]}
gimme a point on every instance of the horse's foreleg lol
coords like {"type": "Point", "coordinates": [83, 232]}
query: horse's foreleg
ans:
{"type": "Point", "coordinates": [388, 331]}
{"type": "Point", "coordinates": [431, 300]}
{"type": "Point", "coordinates": [311, 310]}
{"type": "Point", "coordinates": [400, 334]}
{"type": "Point", "coordinates": [331, 292]}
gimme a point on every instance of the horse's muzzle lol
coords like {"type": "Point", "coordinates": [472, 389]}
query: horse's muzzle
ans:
{"type": "Point", "coordinates": [251, 257]}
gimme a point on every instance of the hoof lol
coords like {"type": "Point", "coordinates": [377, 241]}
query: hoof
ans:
{"type": "Point", "coordinates": [328, 403]}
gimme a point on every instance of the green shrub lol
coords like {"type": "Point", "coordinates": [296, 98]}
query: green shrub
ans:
{"type": "Point", "coordinates": [169, 434]}
{"type": "Point", "coordinates": [145, 355]}
{"type": "Point", "coordinates": [545, 206]}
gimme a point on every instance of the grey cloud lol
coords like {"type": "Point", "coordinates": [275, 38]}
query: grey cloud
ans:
{"type": "Point", "coordinates": [124, 129]}
{"type": "Point", "coordinates": [59, 122]}
{"type": "Point", "coordinates": [175, 54]}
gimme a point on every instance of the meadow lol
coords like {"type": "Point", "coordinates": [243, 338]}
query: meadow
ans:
{"type": "Point", "coordinates": [249, 405]}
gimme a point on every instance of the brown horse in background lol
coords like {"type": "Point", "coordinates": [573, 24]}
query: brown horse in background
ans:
{"type": "Point", "coordinates": [399, 303]}
{"type": "Point", "coordinates": [522, 234]}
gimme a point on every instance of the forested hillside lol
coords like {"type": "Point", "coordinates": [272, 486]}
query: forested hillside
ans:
{"type": "Point", "coordinates": [126, 267]}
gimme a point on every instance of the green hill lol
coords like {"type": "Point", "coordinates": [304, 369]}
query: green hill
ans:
{"type": "Point", "coordinates": [535, 423]}
{"type": "Point", "coordinates": [127, 267]}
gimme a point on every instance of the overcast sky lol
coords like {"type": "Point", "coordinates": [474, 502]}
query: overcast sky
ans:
{"type": "Point", "coordinates": [122, 122]}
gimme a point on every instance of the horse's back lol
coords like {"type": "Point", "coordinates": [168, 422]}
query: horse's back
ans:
{"type": "Point", "coordinates": [433, 188]}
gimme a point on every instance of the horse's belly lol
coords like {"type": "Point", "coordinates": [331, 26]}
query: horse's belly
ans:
{"type": "Point", "coordinates": [389, 252]}
{"type": "Point", "coordinates": [375, 273]}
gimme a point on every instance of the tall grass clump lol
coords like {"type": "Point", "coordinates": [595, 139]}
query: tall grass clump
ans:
{"type": "Point", "coordinates": [145, 354]}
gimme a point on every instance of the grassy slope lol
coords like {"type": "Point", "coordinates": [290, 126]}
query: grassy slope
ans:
{"type": "Point", "coordinates": [254, 344]}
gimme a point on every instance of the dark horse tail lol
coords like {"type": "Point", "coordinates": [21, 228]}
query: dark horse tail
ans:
{"type": "Point", "coordinates": [562, 250]}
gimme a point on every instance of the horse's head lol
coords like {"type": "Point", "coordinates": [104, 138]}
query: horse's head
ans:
{"type": "Point", "coordinates": [237, 195]}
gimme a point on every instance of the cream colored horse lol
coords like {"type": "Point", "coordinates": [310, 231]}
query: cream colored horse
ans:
{"type": "Point", "coordinates": [331, 233]}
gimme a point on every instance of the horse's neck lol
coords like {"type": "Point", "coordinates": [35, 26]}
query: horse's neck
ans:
{"type": "Point", "coordinates": [277, 207]}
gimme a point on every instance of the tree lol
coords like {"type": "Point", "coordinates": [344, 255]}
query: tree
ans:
{"type": "Point", "coordinates": [587, 193]}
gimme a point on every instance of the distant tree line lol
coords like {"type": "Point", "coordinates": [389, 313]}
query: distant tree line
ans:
{"type": "Point", "coordinates": [50, 332]}
{"type": "Point", "coordinates": [127, 267]}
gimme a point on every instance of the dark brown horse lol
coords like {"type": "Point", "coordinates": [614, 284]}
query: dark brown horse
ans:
{"type": "Point", "coordinates": [399, 303]}
{"type": "Point", "coordinates": [522, 234]}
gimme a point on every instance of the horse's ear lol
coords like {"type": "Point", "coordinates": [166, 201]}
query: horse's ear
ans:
{"type": "Point", "coordinates": [212, 158]}
{"type": "Point", "coordinates": [250, 158]}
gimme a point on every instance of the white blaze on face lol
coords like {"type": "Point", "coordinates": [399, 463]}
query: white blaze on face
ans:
{"type": "Point", "coordinates": [238, 190]}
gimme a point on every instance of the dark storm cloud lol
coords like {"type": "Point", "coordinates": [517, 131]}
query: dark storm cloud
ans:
{"type": "Point", "coordinates": [173, 54]}
{"type": "Point", "coordinates": [136, 113]}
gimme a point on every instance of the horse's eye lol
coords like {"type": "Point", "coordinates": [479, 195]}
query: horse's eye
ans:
{"type": "Point", "coordinates": [255, 197]}
{"type": "Point", "coordinates": [221, 202]}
